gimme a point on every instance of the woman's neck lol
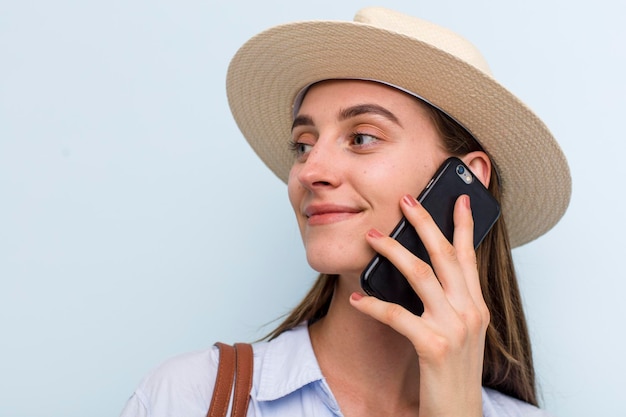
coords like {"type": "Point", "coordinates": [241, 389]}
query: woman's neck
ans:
{"type": "Point", "coordinates": [371, 369]}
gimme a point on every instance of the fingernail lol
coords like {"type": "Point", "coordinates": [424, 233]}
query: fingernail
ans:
{"type": "Point", "coordinates": [409, 200]}
{"type": "Point", "coordinates": [374, 233]}
{"type": "Point", "coordinates": [356, 296]}
{"type": "Point", "coordinates": [466, 201]}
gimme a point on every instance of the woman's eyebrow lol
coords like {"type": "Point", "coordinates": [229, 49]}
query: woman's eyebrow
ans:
{"type": "Point", "coordinates": [368, 108]}
{"type": "Point", "coordinates": [302, 120]}
{"type": "Point", "coordinates": [353, 111]}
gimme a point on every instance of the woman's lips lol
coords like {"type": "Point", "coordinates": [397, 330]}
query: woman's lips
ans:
{"type": "Point", "coordinates": [319, 214]}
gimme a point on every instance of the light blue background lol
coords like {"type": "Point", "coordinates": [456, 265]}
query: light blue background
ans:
{"type": "Point", "coordinates": [136, 223]}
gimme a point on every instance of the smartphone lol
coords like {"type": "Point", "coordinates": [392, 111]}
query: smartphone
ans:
{"type": "Point", "coordinates": [382, 279]}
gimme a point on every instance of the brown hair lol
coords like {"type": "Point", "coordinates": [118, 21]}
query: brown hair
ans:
{"type": "Point", "coordinates": [508, 365]}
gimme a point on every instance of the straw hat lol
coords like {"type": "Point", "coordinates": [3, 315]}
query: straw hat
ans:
{"type": "Point", "coordinates": [271, 69]}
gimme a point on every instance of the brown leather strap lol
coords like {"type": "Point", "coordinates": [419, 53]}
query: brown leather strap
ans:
{"type": "Point", "coordinates": [223, 381]}
{"type": "Point", "coordinates": [239, 358]}
{"type": "Point", "coordinates": [243, 383]}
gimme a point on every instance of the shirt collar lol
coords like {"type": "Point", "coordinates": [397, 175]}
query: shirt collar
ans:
{"type": "Point", "coordinates": [288, 364]}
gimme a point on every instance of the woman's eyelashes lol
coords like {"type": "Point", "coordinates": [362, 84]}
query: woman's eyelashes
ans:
{"type": "Point", "coordinates": [299, 149]}
{"type": "Point", "coordinates": [363, 139]}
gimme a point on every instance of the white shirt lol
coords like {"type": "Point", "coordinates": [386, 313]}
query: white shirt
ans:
{"type": "Point", "coordinates": [287, 382]}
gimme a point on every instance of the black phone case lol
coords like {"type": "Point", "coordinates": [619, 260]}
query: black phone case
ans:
{"type": "Point", "coordinates": [382, 279]}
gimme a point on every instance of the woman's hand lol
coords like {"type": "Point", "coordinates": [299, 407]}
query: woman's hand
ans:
{"type": "Point", "coordinates": [449, 337]}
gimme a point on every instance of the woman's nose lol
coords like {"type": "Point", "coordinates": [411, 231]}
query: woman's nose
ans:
{"type": "Point", "coordinates": [321, 167]}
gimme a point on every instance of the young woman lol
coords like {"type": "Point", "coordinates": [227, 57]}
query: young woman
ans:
{"type": "Point", "coordinates": [356, 117]}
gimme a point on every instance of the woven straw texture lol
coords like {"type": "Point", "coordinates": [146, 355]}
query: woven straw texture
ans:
{"type": "Point", "coordinates": [269, 71]}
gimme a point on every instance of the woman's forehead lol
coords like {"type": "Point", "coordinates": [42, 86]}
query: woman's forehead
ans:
{"type": "Point", "coordinates": [343, 93]}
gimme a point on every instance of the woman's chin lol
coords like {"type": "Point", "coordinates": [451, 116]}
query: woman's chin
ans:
{"type": "Point", "coordinates": [338, 266]}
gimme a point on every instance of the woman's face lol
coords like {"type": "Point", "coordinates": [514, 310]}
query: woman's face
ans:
{"type": "Point", "coordinates": [360, 146]}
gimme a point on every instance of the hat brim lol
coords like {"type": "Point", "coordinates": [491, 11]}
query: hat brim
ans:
{"type": "Point", "coordinates": [268, 72]}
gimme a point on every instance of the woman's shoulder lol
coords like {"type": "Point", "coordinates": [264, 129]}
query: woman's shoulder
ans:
{"type": "Point", "coordinates": [194, 367]}
{"type": "Point", "coordinates": [497, 404]}
{"type": "Point", "coordinates": [184, 380]}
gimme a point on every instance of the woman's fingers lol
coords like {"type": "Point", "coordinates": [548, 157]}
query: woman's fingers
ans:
{"type": "Point", "coordinates": [417, 272]}
{"type": "Point", "coordinates": [450, 289]}
{"type": "Point", "coordinates": [393, 315]}
{"type": "Point", "coordinates": [446, 258]}
{"type": "Point", "coordinates": [466, 254]}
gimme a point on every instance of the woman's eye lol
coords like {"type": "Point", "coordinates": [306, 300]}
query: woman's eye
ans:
{"type": "Point", "coordinates": [361, 139]}
{"type": "Point", "coordinates": [299, 148]}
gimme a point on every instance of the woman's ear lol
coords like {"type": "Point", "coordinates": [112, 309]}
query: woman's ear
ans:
{"type": "Point", "coordinates": [480, 164]}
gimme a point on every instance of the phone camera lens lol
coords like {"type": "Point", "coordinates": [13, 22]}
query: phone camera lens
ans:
{"type": "Point", "coordinates": [464, 174]}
